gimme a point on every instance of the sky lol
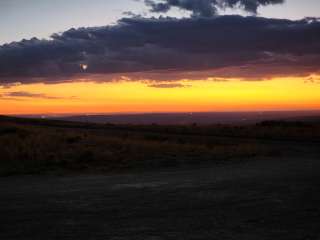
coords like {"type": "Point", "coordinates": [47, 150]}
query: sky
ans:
{"type": "Point", "coordinates": [40, 18]}
{"type": "Point", "coordinates": [103, 56]}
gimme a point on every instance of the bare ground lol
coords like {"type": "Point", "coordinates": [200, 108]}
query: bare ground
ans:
{"type": "Point", "coordinates": [260, 199]}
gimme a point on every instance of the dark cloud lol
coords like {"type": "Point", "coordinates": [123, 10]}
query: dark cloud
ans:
{"type": "Point", "coordinates": [161, 48]}
{"type": "Point", "coordinates": [131, 14]}
{"type": "Point", "coordinates": [248, 5]}
{"type": "Point", "coordinates": [207, 8]}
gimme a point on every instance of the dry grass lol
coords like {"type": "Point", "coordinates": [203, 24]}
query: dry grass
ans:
{"type": "Point", "coordinates": [36, 148]}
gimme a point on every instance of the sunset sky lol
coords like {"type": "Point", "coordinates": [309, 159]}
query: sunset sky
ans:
{"type": "Point", "coordinates": [103, 56]}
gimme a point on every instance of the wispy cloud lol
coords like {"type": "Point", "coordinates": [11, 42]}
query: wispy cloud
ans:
{"type": "Point", "coordinates": [18, 95]}
{"type": "Point", "coordinates": [312, 80]}
{"type": "Point", "coordinates": [169, 85]}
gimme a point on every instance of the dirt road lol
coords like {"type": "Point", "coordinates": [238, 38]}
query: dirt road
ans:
{"type": "Point", "coordinates": [259, 199]}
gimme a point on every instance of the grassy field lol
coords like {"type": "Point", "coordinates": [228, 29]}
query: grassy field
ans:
{"type": "Point", "coordinates": [31, 146]}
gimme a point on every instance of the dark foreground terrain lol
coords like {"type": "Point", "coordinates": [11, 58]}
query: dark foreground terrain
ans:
{"type": "Point", "coordinates": [260, 199]}
{"type": "Point", "coordinates": [64, 180]}
{"type": "Point", "coordinates": [33, 146]}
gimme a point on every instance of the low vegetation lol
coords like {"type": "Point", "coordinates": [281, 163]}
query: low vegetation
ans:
{"type": "Point", "coordinates": [42, 146]}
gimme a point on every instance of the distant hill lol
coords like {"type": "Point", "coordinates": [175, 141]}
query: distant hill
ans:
{"type": "Point", "coordinates": [198, 118]}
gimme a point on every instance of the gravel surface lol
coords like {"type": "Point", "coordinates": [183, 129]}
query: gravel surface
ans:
{"type": "Point", "coordinates": [260, 199]}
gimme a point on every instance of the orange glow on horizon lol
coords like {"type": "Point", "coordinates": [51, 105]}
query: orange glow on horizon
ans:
{"type": "Point", "coordinates": [198, 96]}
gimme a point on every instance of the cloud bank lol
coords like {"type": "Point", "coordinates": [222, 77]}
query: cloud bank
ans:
{"type": "Point", "coordinates": [167, 49]}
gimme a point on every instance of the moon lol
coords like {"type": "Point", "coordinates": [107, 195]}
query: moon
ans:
{"type": "Point", "coordinates": [84, 67]}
